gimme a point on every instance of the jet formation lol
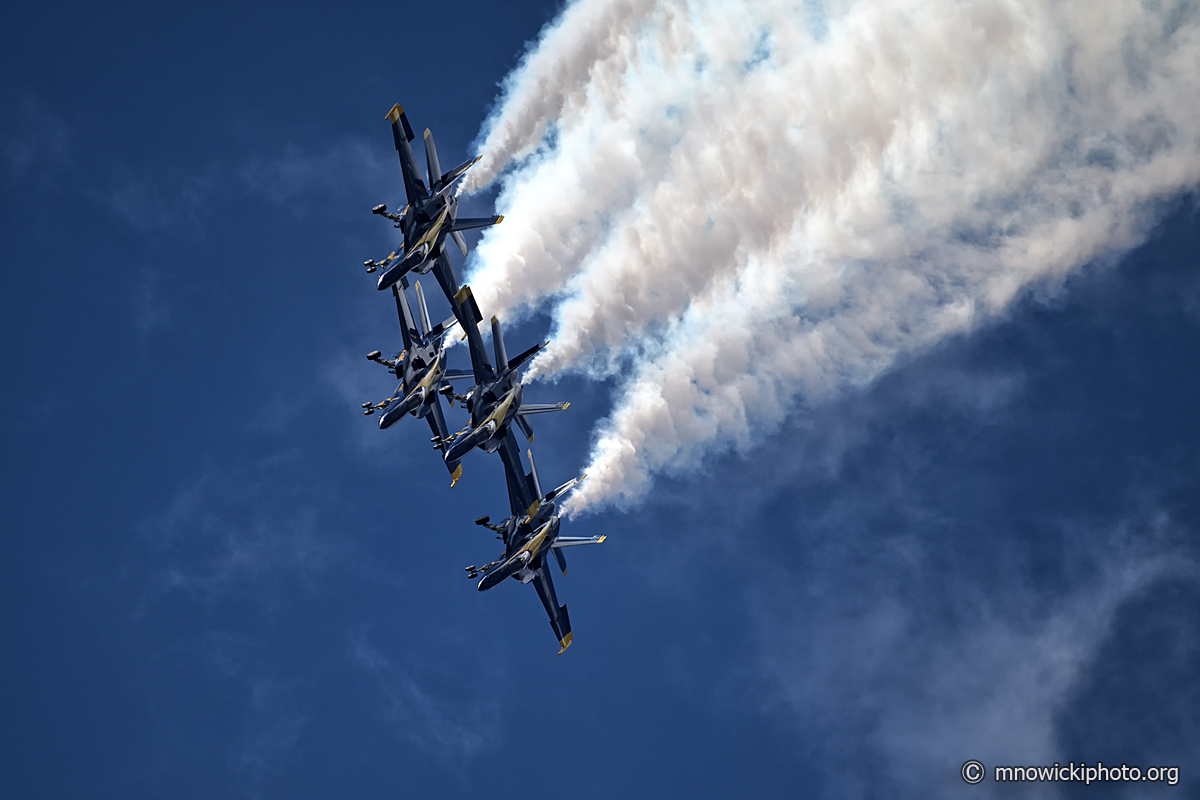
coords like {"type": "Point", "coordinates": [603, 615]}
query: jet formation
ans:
{"type": "Point", "coordinates": [495, 403]}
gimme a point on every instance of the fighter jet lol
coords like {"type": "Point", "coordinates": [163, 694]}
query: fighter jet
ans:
{"type": "Point", "coordinates": [530, 535]}
{"type": "Point", "coordinates": [430, 216]}
{"type": "Point", "coordinates": [421, 368]}
{"type": "Point", "coordinates": [495, 402]}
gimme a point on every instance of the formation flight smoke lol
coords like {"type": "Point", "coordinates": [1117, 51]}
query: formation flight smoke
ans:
{"type": "Point", "coordinates": [741, 206]}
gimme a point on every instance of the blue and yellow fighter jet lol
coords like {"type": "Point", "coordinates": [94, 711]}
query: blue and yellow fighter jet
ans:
{"type": "Point", "coordinates": [495, 402]}
{"type": "Point", "coordinates": [530, 535]}
{"type": "Point", "coordinates": [430, 216]}
{"type": "Point", "coordinates": [421, 368]}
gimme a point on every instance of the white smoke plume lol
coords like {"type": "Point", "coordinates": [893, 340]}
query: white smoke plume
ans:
{"type": "Point", "coordinates": [740, 206]}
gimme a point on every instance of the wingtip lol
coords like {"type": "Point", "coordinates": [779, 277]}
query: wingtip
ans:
{"type": "Point", "coordinates": [394, 115]}
{"type": "Point", "coordinates": [566, 406]}
{"type": "Point", "coordinates": [565, 642]}
{"type": "Point", "coordinates": [500, 219]}
{"type": "Point", "coordinates": [428, 133]}
{"type": "Point", "coordinates": [454, 476]}
{"type": "Point", "coordinates": [601, 539]}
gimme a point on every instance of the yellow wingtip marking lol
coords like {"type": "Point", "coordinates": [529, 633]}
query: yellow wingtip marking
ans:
{"type": "Point", "coordinates": [500, 220]}
{"type": "Point", "coordinates": [427, 133]}
{"type": "Point", "coordinates": [462, 294]}
{"type": "Point", "coordinates": [394, 114]}
{"type": "Point", "coordinates": [601, 539]}
{"type": "Point", "coordinates": [455, 475]}
{"type": "Point", "coordinates": [565, 642]}
{"type": "Point", "coordinates": [566, 406]}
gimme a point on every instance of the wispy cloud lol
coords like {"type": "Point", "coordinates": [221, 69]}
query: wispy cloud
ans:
{"type": "Point", "coordinates": [35, 144]}
{"type": "Point", "coordinates": [915, 663]}
{"type": "Point", "coordinates": [241, 531]}
{"type": "Point", "coordinates": [151, 311]}
{"type": "Point", "coordinates": [449, 730]}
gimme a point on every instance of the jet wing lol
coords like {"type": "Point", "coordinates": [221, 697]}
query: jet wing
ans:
{"type": "Point", "coordinates": [542, 408]}
{"type": "Point", "coordinates": [559, 620]}
{"type": "Point", "coordinates": [437, 424]}
{"type": "Point", "coordinates": [573, 541]}
{"type": "Point", "coordinates": [470, 223]}
{"type": "Point", "coordinates": [402, 133]}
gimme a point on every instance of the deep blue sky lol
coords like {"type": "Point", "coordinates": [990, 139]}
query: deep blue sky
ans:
{"type": "Point", "coordinates": [220, 580]}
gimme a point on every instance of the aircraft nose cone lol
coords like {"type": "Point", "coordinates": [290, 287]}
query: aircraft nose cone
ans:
{"type": "Point", "coordinates": [398, 410]}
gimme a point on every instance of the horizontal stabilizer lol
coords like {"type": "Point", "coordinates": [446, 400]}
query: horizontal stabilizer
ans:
{"type": "Point", "coordinates": [561, 559]}
{"type": "Point", "coordinates": [566, 487]}
{"type": "Point", "coordinates": [541, 408]}
{"type": "Point", "coordinates": [457, 374]}
{"type": "Point", "coordinates": [460, 241]}
{"type": "Point", "coordinates": [442, 327]}
{"type": "Point", "coordinates": [519, 361]}
{"type": "Point", "coordinates": [526, 429]}
{"type": "Point", "coordinates": [456, 173]}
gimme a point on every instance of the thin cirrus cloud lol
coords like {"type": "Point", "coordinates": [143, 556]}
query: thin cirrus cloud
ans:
{"type": "Point", "coordinates": [742, 207]}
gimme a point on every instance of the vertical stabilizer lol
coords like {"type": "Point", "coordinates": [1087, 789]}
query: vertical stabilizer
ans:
{"type": "Point", "coordinates": [498, 344]}
{"type": "Point", "coordinates": [423, 309]}
{"type": "Point", "coordinates": [533, 476]}
{"type": "Point", "coordinates": [408, 329]}
{"type": "Point", "coordinates": [431, 162]}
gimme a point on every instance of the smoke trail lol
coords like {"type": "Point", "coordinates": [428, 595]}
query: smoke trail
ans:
{"type": "Point", "coordinates": [747, 205]}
